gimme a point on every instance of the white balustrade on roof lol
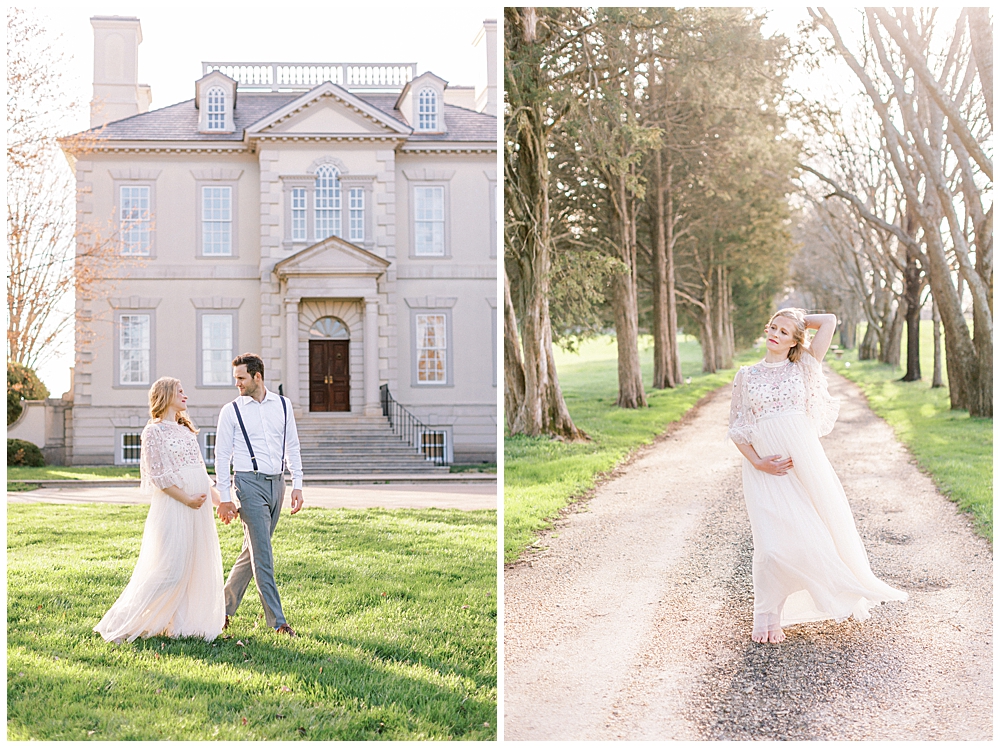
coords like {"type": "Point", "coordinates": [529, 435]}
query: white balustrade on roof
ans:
{"type": "Point", "coordinates": [302, 76]}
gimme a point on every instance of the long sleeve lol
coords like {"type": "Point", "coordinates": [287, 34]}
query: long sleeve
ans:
{"type": "Point", "coordinates": [741, 418]}
{"type": "Point", "coordinates": [224, 435]}
{"type": "Point", "coordinates": [160, 465]}
{"type": "Point", "coordinates": [821, 407]}
{"type": "Point", "coordinates": [293, 450]}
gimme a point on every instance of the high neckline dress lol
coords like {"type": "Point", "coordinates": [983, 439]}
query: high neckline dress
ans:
{"type": "Point", "coordinates": [809, 563]}
{"type": "Point", "coordinates": [176, 586]}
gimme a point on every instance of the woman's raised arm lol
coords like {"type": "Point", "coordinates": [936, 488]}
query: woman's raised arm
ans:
{"type": "Point", "coordinates": [825, 325]}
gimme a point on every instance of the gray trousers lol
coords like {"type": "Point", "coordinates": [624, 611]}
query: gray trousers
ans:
{"type": "Point", "coordinates": [260, 505]}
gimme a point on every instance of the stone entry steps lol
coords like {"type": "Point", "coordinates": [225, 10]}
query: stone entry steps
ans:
{"type": "Point", "coordinates": [341, 444]}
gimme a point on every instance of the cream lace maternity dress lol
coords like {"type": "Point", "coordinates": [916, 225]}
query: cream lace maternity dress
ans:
{"type": "Point", "coordinates": [176, 587]}
{"type": "Point", "coordinates": [809, 563]}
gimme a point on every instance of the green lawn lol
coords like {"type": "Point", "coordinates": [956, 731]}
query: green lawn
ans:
{"type": "Point", "coordinates": [541, 476]}
{"type": "Point", "coordinates": [957, 451]}
{"type": "Point", "coordinates": [396, 612]}
{"type": "Point", "coordinates": [17, 475]}
{"type": "Point", "coordinates": [55, 472]}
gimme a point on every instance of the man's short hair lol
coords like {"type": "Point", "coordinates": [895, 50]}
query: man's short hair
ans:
{"type": "Point", "coordinates": [253, 362]}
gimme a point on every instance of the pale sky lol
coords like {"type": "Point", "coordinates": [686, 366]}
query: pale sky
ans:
{"type": "Point", "coordinates": [178, 36]}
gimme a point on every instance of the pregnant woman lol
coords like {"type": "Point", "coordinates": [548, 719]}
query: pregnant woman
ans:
{"type": "Point", "coordinates": [809, 563]}
{"type": "Point", "coordinates": [176, 587]}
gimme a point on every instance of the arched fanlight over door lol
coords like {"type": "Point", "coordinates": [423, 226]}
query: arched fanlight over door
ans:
{"type": "Point", "coordinates": [329, 328]}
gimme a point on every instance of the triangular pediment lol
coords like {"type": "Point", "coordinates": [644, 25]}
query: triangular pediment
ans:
{"type": "Point", "coordinates": [330, 257]}
{"type": "Point", "coordinates": [329, 109]}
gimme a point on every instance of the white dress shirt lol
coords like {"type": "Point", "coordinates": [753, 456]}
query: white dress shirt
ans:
{"type": "Point", "coordinates": [265, 423]}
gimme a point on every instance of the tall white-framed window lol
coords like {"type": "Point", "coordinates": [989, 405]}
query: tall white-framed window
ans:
{"type": "Point", "coordinates": [217, 220]}
{"type": "Point", "coordinates": [299, 214]}
{"type": "Point", "coordinates": [428, 221]}
{"type": "Point", "coordinates": [208, 446]}
{"type": "Point", "coordinates": [216, 108]}
{"type": "Point", "coordinates": [356, 209]}
{"type": "Point", "coordinates": [134, 217]}
{"type": "Point", "coordinates": [431, 345]}
{"type": "Point", "coordinates": [427, 114]}
{"type": "Point", "coordinates": [217, 335]}
{"type": "Point", "coordinates": [134, 347]}
{"type": "Point", "coordinates": [327, 202]}
{"type": "Point", "coordinates": [131, 447]}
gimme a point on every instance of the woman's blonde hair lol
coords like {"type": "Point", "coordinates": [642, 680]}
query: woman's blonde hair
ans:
{"type": "Point", "coordinates": [160, 394]}
{"type": "Point", "coordinates": [798, 316]}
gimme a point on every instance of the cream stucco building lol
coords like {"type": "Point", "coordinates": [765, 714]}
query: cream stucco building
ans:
{"type": "Point", "coordinates": [338, 219]}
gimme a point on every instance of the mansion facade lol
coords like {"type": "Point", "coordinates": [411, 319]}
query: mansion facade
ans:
{"type": "Point", "coordinates": [338, 219]}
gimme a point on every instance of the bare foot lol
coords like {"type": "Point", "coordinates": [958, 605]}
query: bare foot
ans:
{"type": "Point", "coordinates": [776, 637]}
{"type": "Point", "coordinates": [759, 636]}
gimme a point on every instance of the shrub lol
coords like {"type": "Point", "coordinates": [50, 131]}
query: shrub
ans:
{"type": "Point", "coordinates": [22, 384]}
{"type": "Point", "coordinates": [20, 452]}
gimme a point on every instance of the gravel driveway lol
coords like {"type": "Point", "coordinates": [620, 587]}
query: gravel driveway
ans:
{"type": "Point", "coordinates": [632, 620]}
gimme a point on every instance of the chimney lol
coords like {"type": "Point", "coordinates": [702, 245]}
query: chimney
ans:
{"type": "Point", "coordinates": [117, 92]}
{"type": "Point", "coordinates": [486, 97]}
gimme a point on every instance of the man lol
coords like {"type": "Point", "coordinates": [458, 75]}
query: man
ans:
{"type": "Point", "coordinates": [257, 434]}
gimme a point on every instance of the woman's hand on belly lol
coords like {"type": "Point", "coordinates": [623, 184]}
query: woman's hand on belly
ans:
{"type": "Point", "coordinates": [774, 464]}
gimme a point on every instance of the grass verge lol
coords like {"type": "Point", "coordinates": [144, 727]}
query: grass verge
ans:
{"type": "Point", "coordinates": [484, 467]}
{"type": "Point", "coordinates": [17, 475]}
{"type": "Point", "coordinates": [541, 476]}
{"type": "Point", "coordinates": [396, 614]}
{"type": "Point", "coordinates": [955, 450]}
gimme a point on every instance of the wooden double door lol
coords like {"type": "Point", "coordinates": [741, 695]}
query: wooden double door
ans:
{"type": "Point", "coordinates": [329, 375]}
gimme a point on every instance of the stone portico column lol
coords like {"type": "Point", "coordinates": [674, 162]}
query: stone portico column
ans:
{"type": "Point", "coordinates": [371, 376]}
{"type": "Point", "coordinates": [291, 363]}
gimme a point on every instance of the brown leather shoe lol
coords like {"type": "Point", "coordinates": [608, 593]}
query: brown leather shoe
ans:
{"type": "Point", "coordinates": [226, 624]}
{"type": "Point", "coordinates": [285, 629]}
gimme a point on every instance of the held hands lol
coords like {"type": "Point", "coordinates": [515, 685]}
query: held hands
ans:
{"type": "Point", "coordinates": [774, 464]}
{"type": "Point", "coordinates": [227, 511]}
{"type": "Point", "coordinates": [296, 500]}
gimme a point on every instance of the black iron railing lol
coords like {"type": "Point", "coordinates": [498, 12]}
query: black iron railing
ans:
{"type": "Point", "coordinates": [430, 442]}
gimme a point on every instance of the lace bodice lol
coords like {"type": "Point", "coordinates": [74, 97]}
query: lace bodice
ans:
{"type": "Point", "coordinates": [167, 449]}
{"type": "Point", "coordinates": [765, 389]}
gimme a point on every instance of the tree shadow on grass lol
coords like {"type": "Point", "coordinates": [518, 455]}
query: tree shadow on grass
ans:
{"type": "Point", "coordinates": [276, 686]}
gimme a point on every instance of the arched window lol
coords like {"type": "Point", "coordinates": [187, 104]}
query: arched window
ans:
{"type": "Point", "coordinates": [329, 328]}
{"type": "Point", "coordinates": [327, 202]}
{"type": "Point", "coordinates": [216, 108]}
{"type": "Point", "coordinates": [427, 110]}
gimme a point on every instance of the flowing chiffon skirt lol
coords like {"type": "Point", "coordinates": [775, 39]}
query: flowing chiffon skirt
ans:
{"type": "Point", "coordinates": [176, 586]}
{"type": "Point", "coordinates": [809, 563]}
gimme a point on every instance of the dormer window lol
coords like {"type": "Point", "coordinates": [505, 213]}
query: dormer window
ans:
{"type": "Point", "coordinates": [427, 110]}
{"type": "Point", "coordinates": [215, 100]}
{"type": "Point", "coordinates": [216, 108]}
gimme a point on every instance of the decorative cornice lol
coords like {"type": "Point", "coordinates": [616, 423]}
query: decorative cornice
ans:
{"type": "Point", "coordinates": [328, 95]}
{"type": "Point", "coordinates": [163, 148]}
{"type": "Point", "coordinates": [325, 90]}
{"type": "Point", "coordinates": [326, 137]}
{"type": "Point", "coordinates": [482, 147]}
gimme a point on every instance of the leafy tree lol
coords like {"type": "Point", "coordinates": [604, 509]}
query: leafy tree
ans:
{"type": "Point", "coordinates": [22, 384]}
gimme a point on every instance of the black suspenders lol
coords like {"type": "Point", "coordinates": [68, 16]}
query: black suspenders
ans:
{"type": "Point", "coordinates": [246, 437]}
